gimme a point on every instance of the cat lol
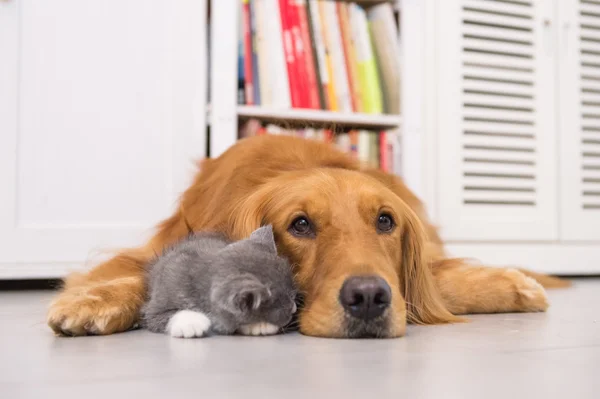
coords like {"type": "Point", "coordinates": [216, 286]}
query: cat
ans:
{"type": "Point", "coordinates": [207, 284]}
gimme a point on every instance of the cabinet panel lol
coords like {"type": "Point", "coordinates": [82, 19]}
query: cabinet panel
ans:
{"type": "Point", "coordinates": [102, 115]}
{"type": "Point", "coordinates": [496, 130]}
{"type": "Point", "coordinates": [580, 119]}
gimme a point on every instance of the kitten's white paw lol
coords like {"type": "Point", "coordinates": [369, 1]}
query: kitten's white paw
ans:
{"type": "Point", "coordinates": [188, 324]}
{"type": "Point", "coordinates": [259, 329]}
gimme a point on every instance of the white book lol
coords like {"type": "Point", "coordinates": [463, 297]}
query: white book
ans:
{"type": "Point", "coordinates": [364, 146]}
{"type": "Point", "coordinates": [319, 42]}
{"type": "Point", "coordinates": [342, 142]}
{"type": "Point", "coordinates": [262, 53]}
{"type": "Point", "coordinates": [360, 33]}
{"type": "Point", "coordinates": [277, 68]}
{"type": "Point", "coordinates": [386, 44]}
{"type": "Point", "coordinates": [342, 89]}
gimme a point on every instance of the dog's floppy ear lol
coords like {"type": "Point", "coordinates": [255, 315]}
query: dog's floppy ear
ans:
{"type": "Point", "coordinates": [424, 303]}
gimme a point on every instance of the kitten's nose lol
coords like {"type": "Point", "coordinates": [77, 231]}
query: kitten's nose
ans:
{"type": "Point", "coordinates": [365, 297]}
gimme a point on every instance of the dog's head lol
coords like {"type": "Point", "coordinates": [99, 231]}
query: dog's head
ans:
{"type": "Point", "coordinates": [356, 248]}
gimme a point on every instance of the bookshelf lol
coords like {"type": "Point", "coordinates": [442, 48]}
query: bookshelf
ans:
{"type": "Point", "coordinates": [225, 114]}
{"type": "Point", "coordinates": [320, 117]}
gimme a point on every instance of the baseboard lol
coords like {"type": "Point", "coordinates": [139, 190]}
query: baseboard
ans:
{"type": "Point", "coordinates": [25, 271]}
{"type": "Point", "coordinates": [554, 258]}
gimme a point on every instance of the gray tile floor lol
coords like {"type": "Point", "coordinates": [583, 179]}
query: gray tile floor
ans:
{"type": "Point", "coordinates": [545, 355]}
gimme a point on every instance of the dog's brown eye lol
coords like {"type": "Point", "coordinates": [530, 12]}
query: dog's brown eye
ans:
{"type": "Point", "coordinates": [385, 223]}
{"type": "Point", "coordinates": [301, 227]}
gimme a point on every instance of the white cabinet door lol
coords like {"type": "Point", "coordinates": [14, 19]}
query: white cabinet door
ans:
{"type": "Point", "coordinates": [580, 119]}
{"type": "Point", "coordinates": [497, 166]}
{"type": "Point", "coordinates": [101, 115]}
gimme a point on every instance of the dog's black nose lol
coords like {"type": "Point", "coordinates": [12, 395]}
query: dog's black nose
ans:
{"type": "Point", "coordinates": [365, 297]}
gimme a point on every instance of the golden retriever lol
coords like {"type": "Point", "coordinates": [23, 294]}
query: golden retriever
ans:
{"type": "Point", "coordinates": [364, 255]}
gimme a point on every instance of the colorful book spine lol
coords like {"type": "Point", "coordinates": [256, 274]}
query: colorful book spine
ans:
{"type": "Point", "coordinates": [299, 54]}
{"type": "Point", "coordinates": [374, 160]}
{"type": "Point", "coordinates": [278, 75]}
{"type": "Point", "coordinates": [331, 82]}
{"type": "Point", "coordinates": [383, 152]}
{"type": "Point", "coordinates": [342, 90]}
{"type": "Point", "coordinates": [350, 56]}
{"type": "Point", "coordinates": [290, 56]}
{"type": "Point", "coordinates": [318, 46]}
{"type": "Point", "coordinates": [385, 44]}
{"type": "Point", "coordinates": [248, 73]}
{"type": "Point", "coordinates": [254, 44]}
{"type": "Point", "coordinates": [312, 87]}
{"type": "Point", "coordinates": [367, 66]}
{"type": "Point", "coordinates": [353, 134]}
{"type": "Point", "coordinates": [262, 52]}
{"type": "Point", "coordinates": [241, 81]}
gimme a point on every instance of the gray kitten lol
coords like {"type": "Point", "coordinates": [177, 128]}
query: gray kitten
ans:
{"type": "Point", "coordinates": [208, 284]}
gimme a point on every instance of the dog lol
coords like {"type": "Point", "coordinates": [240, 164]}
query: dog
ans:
{"type": "Point", "coordinates": [365, 257]}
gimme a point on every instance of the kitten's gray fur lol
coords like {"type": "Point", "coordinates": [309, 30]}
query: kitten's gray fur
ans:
{"type": "Point", "coordinates": [233, 283]}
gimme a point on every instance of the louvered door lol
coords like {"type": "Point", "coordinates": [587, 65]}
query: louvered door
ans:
{"type": "Point", "coordinates": [496, 130]}
{"type": "Point", "coordinates": [580, 119]}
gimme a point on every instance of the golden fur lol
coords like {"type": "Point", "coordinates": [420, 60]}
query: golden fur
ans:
{"type": "Point", "coordinates": [272, 180]}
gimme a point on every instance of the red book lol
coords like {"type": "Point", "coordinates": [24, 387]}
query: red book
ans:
{"type": "Point", "coordinates": [299, 53]}
{"type": "Point", "coordinates": [290, 54]}
{"type": "Point", "coordinates": [312, 86]}
{"type": "Point", "coordinates": [384, 157]}
{"type": "Point", "coordinates": [328, 136]}
{"type": "Point", "coordinates": [249, 82]}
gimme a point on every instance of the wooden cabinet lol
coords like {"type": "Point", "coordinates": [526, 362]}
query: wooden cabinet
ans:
{"type": "Point", "coordinates": [101, 115]}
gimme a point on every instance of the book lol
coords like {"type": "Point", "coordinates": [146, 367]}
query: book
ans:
{"type": "Point", "coordinates": [318, 48]}
{"type": "Point", "coordinates": [384, 158]}
{"type": "Point", "coordinates": [262, 52]}
{"type": "Point", "coordinates": [367, 67]}
{"type": "Point", "coordinates": [364, 144]}
{"type": "Point", "coordinates": [353, 143]}
{"type": "Point", "coordinates": [300, 70]}
{"type": "Point", "coordinates": [277, 69]}
{"type": "Point", "coordinates": [386, 45]}
{"type": "Point", "coordinates": [290, 54]}
{"type": "Point", "coordinates": [241, 81]}
{"type": "Point", "coordinates": [248, 73]}
{"type": "Point", "coordinates": [334, 38]}
{"type": "Point", "coordinates": [306, 47]}
{"type": "Point", "coordinates": [331, 81]}
{"type": "Point", "coordinates": [374, 159]}
{"type": "Point", "coordinates": [350, 56]}
{"type": "Point", "coordinates": [254, 53]}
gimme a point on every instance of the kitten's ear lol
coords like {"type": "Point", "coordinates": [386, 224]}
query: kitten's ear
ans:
{"type": "Point", "coordinates": [264, 235]}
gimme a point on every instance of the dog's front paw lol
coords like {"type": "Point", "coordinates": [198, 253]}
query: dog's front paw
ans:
{"type": "Point", "coordinates": [531, 296]}
{"type": "Point", "coordinates": [259, 329]}
{"type": "Point", "coordinates": [188, 324]}
{"type": "Point", "coordinates": [98, 309]}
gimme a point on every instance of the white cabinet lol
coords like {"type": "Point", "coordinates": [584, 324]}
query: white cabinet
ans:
{"type": "Point", "coordinates": [579, 103]}
{"type": "Point", "coordinates": [497, 131]}
{"type": "Point", "coordinates": [101, 115]}
{"type": "Point", "coordinates": [509, 131]}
